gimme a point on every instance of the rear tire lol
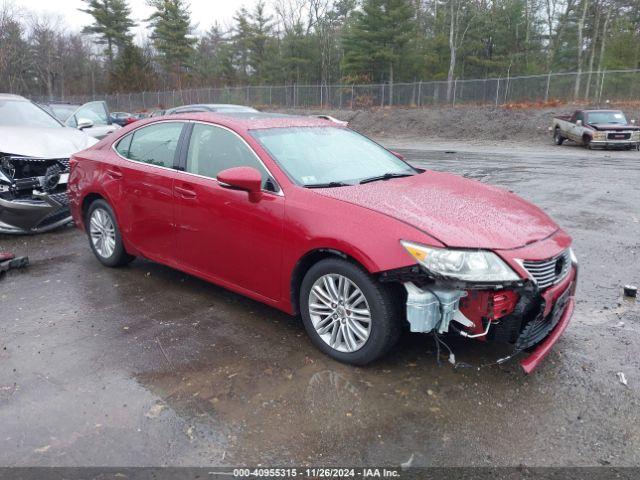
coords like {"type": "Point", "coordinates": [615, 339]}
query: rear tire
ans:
{"type": "Point", "coordinates": [337, 322]}
{"type": "Point", "coordinates": [104, 235]}
{"type": "Point", "coordinates": [558, 139]}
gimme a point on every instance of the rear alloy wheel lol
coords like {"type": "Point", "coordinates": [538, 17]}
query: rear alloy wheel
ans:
{"type": "Point", "coordinates": [557, 137]}
{"type": "Point", "coordinates": [104, 235]}
{"type": "Point", "coordinates": [347, 314]}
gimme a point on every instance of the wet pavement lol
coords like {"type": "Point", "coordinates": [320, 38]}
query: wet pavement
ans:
{"type": "Point", "coordinates": [147, 366]}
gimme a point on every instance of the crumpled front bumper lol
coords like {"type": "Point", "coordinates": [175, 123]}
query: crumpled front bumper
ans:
{"type": "Point", "coordinates": [543, 348]}
{"type": "Point", "coordinates": [39, 214]}
{"type": "Point", "coordinates": [564, 293]}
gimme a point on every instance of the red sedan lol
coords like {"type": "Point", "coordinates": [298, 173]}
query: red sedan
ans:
{"type": "Point", "coordinates": [315, 219]}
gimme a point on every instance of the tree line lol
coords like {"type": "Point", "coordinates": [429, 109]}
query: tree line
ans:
{"type": "Point", "coordinates": [302, 42]}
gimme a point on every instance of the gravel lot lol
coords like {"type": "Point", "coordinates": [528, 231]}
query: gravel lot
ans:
{"type": "Point", "coordinates": [147, 366]}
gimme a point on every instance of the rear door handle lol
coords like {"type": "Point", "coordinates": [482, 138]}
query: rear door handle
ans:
{"type": "Point", "coordinates": [114, 173]}
{"type": "Point", "coordinates": [185, 192]}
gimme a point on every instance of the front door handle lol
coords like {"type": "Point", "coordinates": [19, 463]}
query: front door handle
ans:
{"type": "Point", "coordinates": [114, 173]}
{"type": "Point", "coordinates": [185, 192]}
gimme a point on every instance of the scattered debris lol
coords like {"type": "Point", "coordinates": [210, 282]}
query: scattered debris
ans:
{"type": "Point", "coordinates": [42, 449]}
{"type": "Point", "coordinates": [154, 411]}
{"type": "Point", "coordinates": [630, 291]}
{"type": "Point", "coordinates": [622, 378]}
{"type": "Point", "coordinates": [408, 463]}
{"type": "Point", "coordinates": [8, 261]}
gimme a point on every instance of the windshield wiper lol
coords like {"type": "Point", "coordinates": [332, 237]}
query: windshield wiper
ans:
{"type": "Point", "coordinates": [327, 185]}
{"type": "Point", "coordinates": [386, 176]}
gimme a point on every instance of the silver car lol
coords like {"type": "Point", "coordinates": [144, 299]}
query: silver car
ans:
{"type": "Point", "coordinates": [34, 166]}
{"type": "Point", "coordinates": [92, 117]}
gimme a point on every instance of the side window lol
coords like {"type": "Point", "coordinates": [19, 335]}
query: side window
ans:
{"type": "Point", "coordinates": [213, 149]}
{"type": "Point", "coordinates": [94, 111]}
{"type": "Point", "coordinates": [155, 144]}
{"type": "Point", "coordinates": [580, 116]}
{"type": "Point", "coordinates": [123, 145]}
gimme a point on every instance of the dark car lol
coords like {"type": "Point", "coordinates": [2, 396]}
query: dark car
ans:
{"type": "Point", "coordinates": [121, 118]}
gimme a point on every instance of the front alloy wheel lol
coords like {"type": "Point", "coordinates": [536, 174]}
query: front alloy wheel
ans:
{"type": "Point", "coordinates": [340, 313]}
{"type": "Point", "coordinates": [349, 314]}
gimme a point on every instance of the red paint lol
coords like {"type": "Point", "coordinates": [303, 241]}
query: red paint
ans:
{"type": "Point", "coordinates": [543, 349]}
{"type": "Point", "coordinates": [458, 212]}
{"type": "Point", "coordinates": [242, 178]}
{"type": "Point", "coordinates": [229, 232]}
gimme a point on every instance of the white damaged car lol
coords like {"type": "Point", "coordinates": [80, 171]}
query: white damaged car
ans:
{"type": "Point", "coordinates": [34, 166]}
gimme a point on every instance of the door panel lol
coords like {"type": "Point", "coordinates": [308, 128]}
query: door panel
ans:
{"type": "Point", "coordinates": [220, 231]}
{"type": "Point", "coordinates": [147, 179]}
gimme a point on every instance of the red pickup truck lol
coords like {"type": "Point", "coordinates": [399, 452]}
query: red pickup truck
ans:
{"type": "Point", "coordinates": [597, 128]}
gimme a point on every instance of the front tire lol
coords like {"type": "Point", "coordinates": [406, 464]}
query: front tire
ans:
{"type": "Point", "coordinates": [558, 139]}
{"type": "Point", "coordinates": [105, 239]}
{"type": "Point", "coordinates": [348, 315]}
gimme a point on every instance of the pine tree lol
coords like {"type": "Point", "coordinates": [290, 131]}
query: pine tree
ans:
{"type": "Point", "coordinates": [132, 71]}
{"type": "Point", "coordinates": [171, 36]}
{"type": "Point", "coordinates": [260, 31]}
{"type": "Point", "coordinates": [111, 24]}
{"type": "Point", "coordinates": [214, 58]}
{"type": "Point", "coordinates": [377, 38]}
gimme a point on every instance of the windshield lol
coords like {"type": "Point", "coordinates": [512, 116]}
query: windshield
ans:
{"type": "Point", "coordinates": [324, 155]}
{"type": "Point", "coordinates": [21, 113]}
{"type": "Point", "coordinates": [62, 112]}
{"type": "Point", "coordinates": [606, 117]}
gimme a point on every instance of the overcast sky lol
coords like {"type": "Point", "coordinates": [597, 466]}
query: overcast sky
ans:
{"type": "Point", "coordinates": [203, 12]}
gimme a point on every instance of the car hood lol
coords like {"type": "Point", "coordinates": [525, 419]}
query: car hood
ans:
{"type": "Point", "coordinates": [614, 126]}
{"type": "Point", "coordinates": [43, 142]}
{"type": "Point", "coordinates": [458, 212]}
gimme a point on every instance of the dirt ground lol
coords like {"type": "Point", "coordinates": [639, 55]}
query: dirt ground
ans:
{"type": "Point", "coordinates": [465, 123]}
{"type": "Point", "coordinates": [147, 366]}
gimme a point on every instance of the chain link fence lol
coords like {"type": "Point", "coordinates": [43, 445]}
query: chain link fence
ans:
{"type": "Point", "coordinates": [595, 87]}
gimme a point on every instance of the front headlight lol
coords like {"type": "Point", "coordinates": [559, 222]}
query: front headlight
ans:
{"type": "Point", "coordinates": [599, 136]}
{"type": "Point", "coordinates": [468, 265]}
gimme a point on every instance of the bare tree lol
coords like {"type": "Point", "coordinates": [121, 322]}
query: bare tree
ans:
{"type": "Point", "coordinates": [602, 47]}
{"type": "Point", "coordinates": [592, 55]}
{"type": "Point", "coordinates": [576, 87]}
{"type": "Point", "coordinates": [459, 22]}
{"type": "Point", "coordinates": [555, 27]}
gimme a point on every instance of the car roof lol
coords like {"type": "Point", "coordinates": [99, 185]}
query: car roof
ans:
{"type": "Point", "coordinates": [64, 104]}
{"type": "Point", "coordinates": [214, 106]}
{"type": "Point", "coordinates": [252, 120]}
{"type": "Point", "coordinates": [11, 96]}
{"type": "Point", "coordinates": [600, 111]}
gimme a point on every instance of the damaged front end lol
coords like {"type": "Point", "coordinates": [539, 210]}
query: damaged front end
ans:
{"type": "Point", "coordinates": [33, 196]}
{"type": "Point", "coordinates": [527, 314]}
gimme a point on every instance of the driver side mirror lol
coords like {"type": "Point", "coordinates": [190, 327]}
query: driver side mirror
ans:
{"type": "Point", "coordinates": [84, 123]}
{"type": "Point", "coordinates": [579, 123]}
{"type": "Point", "coordinates": [242, 178]}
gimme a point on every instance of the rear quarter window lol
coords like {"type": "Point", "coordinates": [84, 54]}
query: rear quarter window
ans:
{"type": "Point", "coordinates": [155, 144]}
{"type": "Point", "coordinates": [122, 147]}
